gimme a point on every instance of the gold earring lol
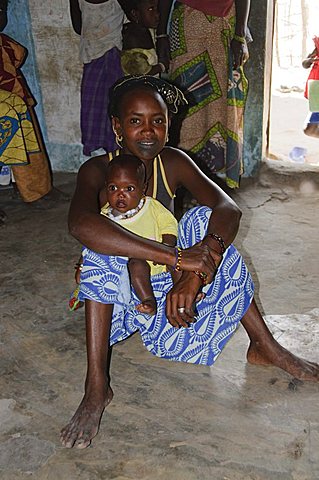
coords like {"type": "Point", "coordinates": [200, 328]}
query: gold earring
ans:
{"type": "Point", "coordinates": [118, 139]}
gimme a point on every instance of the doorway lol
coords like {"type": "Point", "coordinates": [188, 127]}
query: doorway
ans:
{"type": "Point", "coordinates": [295, 24]}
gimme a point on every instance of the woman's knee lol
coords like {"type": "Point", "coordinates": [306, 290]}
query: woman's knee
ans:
{"type": "Point", "coordinates": [193, 225]}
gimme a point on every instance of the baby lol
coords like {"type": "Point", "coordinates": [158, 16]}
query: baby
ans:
{"type": "Point", "coordinates": [142, 215]}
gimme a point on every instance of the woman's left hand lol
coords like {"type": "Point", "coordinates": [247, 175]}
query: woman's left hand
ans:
{"type": "Point", "coordinates": [180, 300]}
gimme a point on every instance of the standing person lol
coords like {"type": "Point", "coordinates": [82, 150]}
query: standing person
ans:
{"type": "Point", "coordinates": [139, 55]}
{"type": "Point", "coordinates": [141, 109]}
{"type": "Point", "coordinates": [99, 24]}
{"type": "Point", "coordinates": [22, 147]}
{"type": "Point", "coordinates": [208, 50]}
{"type": "Point", "coordinates": [312, 122]}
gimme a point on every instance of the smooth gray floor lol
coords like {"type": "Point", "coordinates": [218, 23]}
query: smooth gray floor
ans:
{"type": "Point", "coordinates": [167, 421]}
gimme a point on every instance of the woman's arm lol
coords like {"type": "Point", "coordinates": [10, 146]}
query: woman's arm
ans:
{"type": "Point", "coordinates": [242, 13]}
{"type": "Point", "coordinates": [224, 222]}
{"type": "Point", "coordinates": [185, 173]}
{"type": "Point", "coordinates": [238, 43]}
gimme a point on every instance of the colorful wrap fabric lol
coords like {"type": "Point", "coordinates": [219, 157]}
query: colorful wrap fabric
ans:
{"type": "Point", "coordinates": [21, 140]}
{"type": "Point", "coordinates": [17, 135]}
{"type": "Point", "coordinates": [218, 314]}
{"type": "Point", "coordinates": [201, 67]}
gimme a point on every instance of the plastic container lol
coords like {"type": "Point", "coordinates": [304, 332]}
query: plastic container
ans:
{"type": "Point", "coordinates": [5, 175]}
{"type": "Point", "coordinates": [297, 154]}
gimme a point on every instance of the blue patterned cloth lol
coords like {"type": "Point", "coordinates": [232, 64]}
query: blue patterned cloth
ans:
{"type": "Point", "coordinates": [105, 279]}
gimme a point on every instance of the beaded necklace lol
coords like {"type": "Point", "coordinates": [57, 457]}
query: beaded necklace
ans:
{"type": "Point", "coordinates": [129, 213]}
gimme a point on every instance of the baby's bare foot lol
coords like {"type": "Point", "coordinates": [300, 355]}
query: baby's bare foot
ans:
{"type": "Point", "coordinates": [147, 306]}
{"type": "Point", "coordinates": [85, 423]}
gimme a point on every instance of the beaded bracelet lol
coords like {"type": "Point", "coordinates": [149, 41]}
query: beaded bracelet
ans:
{"type": "Point", "coordinates": [178, 253]}
{"type": "Point", "coordinates": [202, 276]}
{"type": "Point", "coordinates": [239, 38]}
{"type": "Point", "coordinates": [78, 266]}
{"type": "Point", "coordinates": [219, 240]}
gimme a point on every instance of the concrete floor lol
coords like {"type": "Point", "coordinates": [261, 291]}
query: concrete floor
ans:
{"type": "Point", "coordinates": [167, 421]}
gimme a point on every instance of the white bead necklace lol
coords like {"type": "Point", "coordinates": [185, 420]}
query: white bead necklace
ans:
{"type": "Point", "coordinates": [128, 214]}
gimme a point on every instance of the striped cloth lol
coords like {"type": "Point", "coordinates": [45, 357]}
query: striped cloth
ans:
{"type": "Point", "coordinates": [98, 76]}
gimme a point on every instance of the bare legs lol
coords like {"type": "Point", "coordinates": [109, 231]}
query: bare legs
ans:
{"type": "Point", "coordinates": [265, 350]}
{"type": "Point", "coordinates": [84, 424]}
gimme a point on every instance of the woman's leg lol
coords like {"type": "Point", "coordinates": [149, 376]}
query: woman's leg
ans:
{"type": "Point", "coordinates": [84, 424]}
{"type": "Point", "coordinates": [265, 350]}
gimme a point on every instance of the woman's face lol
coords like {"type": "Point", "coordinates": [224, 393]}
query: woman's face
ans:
{"type": "Point", "coordinates": [143, 122]}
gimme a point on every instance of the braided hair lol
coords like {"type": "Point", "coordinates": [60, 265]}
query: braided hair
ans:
{"type": "Point", "coordinates": [172, 96]}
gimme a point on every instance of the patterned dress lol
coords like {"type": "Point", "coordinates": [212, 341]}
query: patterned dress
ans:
{"type": "Point", "coordinates": [217, 315]}
{"type": "Point", "coordinates": [201, 67]}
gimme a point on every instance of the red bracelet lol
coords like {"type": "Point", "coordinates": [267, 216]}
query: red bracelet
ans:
{"type": "Point", "coordinates": [178, 253]}
{"type": "Point", "coordinates": [202, 276]}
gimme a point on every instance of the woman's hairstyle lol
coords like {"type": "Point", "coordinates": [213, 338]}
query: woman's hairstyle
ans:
{"type": "Point", "coordinates": [172, 96]}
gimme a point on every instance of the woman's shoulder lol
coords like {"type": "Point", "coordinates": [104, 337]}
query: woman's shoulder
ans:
{"type": "Point", "coordinates": [172, 157]}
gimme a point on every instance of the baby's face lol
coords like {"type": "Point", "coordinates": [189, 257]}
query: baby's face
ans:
{"type": "Point", "coordinates": [124, 189]}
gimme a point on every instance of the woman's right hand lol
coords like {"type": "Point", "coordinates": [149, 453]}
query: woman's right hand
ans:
{"type": "Point", "coordinates": [200, 257]}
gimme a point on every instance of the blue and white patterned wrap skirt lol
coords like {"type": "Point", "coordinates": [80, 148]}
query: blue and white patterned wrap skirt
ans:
{"type": "Point", "coordinates": [105, 279]}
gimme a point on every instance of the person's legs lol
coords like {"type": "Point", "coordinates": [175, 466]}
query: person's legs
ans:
{"type": "Point", "coordinates": [265, 350]}
{"type": "Point", "coordinates": [84, 424]}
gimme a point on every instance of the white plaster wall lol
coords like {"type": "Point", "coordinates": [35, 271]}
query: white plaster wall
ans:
{"type": "Point", "coordinates": [56, 47]}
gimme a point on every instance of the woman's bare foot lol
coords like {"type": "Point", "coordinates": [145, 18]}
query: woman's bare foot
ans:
{"type": "Point", "coordinates": [278, 356]}
{"type": "Point", "coordinates": [85, 423]}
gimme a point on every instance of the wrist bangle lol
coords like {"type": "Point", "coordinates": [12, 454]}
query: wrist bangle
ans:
{"type": "Point", "coordinates": [178, 255]}
{"type": "Point", "coordinates": [219, 240]}
{"type": "Point", "coordinates": [78, 266]}
{"type": "Point", "coordinates": [162, 35]}
{"type": "Point", "coordinates": [162, 66]}
{"type": "Point", "coordinates": [202, 276]}
{"type": "Point", "coordinates": [239, 38]}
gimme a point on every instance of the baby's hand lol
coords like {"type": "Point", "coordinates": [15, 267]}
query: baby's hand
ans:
{"type": "Point", "coordinates": [147, 306]}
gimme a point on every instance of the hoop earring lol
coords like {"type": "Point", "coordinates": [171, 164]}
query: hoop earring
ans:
{"type": "Point", "coordinates": [118, 139]}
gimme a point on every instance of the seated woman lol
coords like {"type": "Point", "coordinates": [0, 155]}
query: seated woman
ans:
{"type": "Point", "coordinates": [141, 108]}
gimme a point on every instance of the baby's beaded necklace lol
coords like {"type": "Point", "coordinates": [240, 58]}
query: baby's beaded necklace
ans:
{"type": "Point", "coordinates": [129, 213]}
